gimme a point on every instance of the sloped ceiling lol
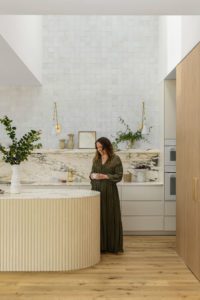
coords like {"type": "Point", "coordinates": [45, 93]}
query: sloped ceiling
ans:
{"type": "Point", "coordinates": [13, 72]}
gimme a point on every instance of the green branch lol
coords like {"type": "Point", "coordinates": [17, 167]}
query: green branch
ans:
{"type": "Point", "coordinates": [128, 134]}
{"type": "Point", "coordinates": [18, 151]}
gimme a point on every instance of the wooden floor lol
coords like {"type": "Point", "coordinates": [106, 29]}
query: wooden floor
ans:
{"type": "Point", "coordinates": [149, 269]}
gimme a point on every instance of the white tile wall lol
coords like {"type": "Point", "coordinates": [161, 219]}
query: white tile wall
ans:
{"type": "Point", "coordinates": [97, 68]}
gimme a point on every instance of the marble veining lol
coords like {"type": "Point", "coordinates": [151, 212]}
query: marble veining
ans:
{"type": "Point", "coordinates": [52, 166]}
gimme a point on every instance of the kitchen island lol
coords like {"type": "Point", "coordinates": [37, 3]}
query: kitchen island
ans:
{"type": "Point", "coordinates": [49, 230]}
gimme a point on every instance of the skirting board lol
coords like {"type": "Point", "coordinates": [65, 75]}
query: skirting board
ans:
{"type": "Point", "coordinates": [149, 232]}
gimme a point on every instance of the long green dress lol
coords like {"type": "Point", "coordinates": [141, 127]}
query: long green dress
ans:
{"type": "Point", "coordinates": [111, 225]}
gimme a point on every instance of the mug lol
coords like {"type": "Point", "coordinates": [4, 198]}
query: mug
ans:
{"type": "Point", "coordinates": [94, 175]}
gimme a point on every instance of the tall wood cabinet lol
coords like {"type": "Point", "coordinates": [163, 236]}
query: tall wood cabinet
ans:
{"type": "Point", "coordinates": [188, 160]}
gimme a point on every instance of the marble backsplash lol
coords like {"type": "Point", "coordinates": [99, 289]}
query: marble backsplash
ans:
{"type": "Point", "coordinates": [52, 166]}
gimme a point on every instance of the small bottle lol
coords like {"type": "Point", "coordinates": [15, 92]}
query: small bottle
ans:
{"type": "Point", "coordinates": [62, 143]}
{"type": "Point", "coordinates": [70, 175]}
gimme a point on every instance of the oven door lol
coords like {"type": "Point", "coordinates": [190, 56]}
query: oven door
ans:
{"type": "Point", "coordinates": [170, 155]}
{"type": "Point", "coordinates": [170, 186]}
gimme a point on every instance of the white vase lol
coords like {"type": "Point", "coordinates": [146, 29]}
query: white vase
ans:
{"type": "Point", "coordinates": [141, 175]}
{"type": "Point", "coordinates": [15, 180]}
{"type": "Point", "coordinates": [130, 144]}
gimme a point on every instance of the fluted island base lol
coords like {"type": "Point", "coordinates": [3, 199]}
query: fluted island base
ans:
{"type": "Point", "coordinates": [45, 230]}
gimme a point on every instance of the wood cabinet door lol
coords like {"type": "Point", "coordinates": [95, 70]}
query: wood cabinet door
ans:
{"type": "Point", "coordinates": [188, 160]}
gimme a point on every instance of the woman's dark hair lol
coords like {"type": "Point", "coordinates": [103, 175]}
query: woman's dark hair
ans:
{"type": "Point", "coordinates": [106, 145]}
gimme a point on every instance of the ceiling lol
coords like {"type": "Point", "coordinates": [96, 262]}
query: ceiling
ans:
{"type": "Point", "coordinates": [13, 72]}
{"type": "Point", "coordinates": [101, 7]}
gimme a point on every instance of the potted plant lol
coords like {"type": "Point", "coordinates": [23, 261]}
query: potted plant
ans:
{"type": "Point", "coordinates": [128, 135]}
{"type": "Point", "coordinates": [18, 151]}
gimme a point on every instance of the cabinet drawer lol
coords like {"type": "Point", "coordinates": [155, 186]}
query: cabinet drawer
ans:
{"type": "Point", "coordinates": [70, 187]}
{"type": "Point", "coordinates": [84, 187]}
{"type": "Point", "coordinates": [149, 223]}
{"type": "Point", "coordinates": [170, 208]}
{"type": "Point", "coordinates": [145, 208]}
{"type": "Point", "coordinates": [170, 223]}
{"type": "Point", "coordinates": [142, 193]}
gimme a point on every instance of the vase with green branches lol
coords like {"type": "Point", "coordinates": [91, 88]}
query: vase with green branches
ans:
{"type": "Point", "coordinates": [18, 150]}
{"type": "Point", "coordinates": [128, 135]}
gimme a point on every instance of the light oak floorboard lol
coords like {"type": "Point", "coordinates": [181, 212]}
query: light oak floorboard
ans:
{"type": "Point", "coordinates": [148, 269]}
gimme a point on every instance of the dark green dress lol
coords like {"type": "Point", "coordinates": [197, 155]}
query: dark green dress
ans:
{"type": "Point", "coordinates": [111, 225]}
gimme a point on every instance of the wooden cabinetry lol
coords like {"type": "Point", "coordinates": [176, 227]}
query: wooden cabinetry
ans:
{"type": "Point", "coordinates": [188, 160]}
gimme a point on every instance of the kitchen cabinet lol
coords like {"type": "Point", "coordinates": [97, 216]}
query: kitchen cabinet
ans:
{"type": "Point", "coordinates": [188, 160]}
{"type": "Point", "coordinates": [142, 208]}
{"type": "Point", "coordinates": [142, 192]}
{"type": "Point", "coordinates": [170, 216]}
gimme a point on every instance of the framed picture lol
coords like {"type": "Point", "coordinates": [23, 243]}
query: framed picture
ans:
{"type": "Point", "coordinates": [86, 139]}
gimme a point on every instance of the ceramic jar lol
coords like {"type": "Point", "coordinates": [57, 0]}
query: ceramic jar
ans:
{"type": "Point", "coordinates": [70, 141]}
{"type": "Point", "coordinates": [62, 143]}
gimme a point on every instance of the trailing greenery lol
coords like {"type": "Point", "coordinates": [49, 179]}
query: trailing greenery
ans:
{"type": "Point", "coordinates": [18, 150]}
{"type": "Point", "coordinates": [128, 134]}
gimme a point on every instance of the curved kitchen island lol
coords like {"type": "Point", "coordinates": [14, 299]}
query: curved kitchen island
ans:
{"type": "Point", "coordinates": [49, 230]}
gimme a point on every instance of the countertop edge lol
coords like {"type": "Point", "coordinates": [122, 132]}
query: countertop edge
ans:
{"type": "Point", "coordinates": [60, 151]}
{"type": "Point", "coordinates": [48, 184]}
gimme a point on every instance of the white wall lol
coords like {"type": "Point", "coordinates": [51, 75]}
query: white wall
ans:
{"type": "Point", "coordinates": [170, 108]}
{"type": "Point", "coordinates": [24, 35]}
{"type": "Point", "coordinates": [97, 68]}
{"type": "Point", "coordinates": [190, 33]}
{"type": "Point", "coordinates": [178, 35]}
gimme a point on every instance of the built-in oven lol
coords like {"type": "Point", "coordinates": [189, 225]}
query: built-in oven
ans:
{"type": "Point", "coordinates": [170, 183]}
{"type": "Point", "coordinates": [170, 152]}
{"type": "Point", "coordinates": [170, 169]}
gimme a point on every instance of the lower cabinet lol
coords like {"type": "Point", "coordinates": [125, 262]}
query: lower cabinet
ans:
{"type": "Point", "coordinates": [142, 223]}
{"type": "Point", "coordinates": [142, 208]}
{"type": "Point", "coordinates": [170, 216]}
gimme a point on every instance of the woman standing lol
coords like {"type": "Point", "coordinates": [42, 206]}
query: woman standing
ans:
{"type": "Point", "coordinates": [106, 171]}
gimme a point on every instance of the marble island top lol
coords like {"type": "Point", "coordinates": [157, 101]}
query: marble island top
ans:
{"type": "Point", "coordinates": [49, 194]}
{"type": "Point", "coordinates": [78, 184]}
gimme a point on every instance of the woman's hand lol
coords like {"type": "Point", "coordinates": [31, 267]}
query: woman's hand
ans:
{"type": "Point", "coordinates": [100, 176]}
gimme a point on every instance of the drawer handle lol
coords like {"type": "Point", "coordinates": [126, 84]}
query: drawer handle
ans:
{"type": "Point", "coordinates": [194, 188]}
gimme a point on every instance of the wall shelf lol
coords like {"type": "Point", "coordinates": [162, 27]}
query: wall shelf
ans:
{"type": "Point", "coordinates": [63, 151]}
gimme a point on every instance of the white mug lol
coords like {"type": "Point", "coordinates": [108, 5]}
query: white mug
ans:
{"type": "Point", "coordinates": [94, 175]}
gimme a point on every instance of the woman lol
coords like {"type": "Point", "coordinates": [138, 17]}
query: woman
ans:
{"type": "Point", "coordinates": [106, 171]}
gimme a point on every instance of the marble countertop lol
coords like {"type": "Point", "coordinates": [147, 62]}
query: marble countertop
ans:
{"type": "Point", "coordinates": [49, 194]}
{"type": "Point", "coordinates": [82, 183]}
{"type": "Point", "coordinates": [62, 151]}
